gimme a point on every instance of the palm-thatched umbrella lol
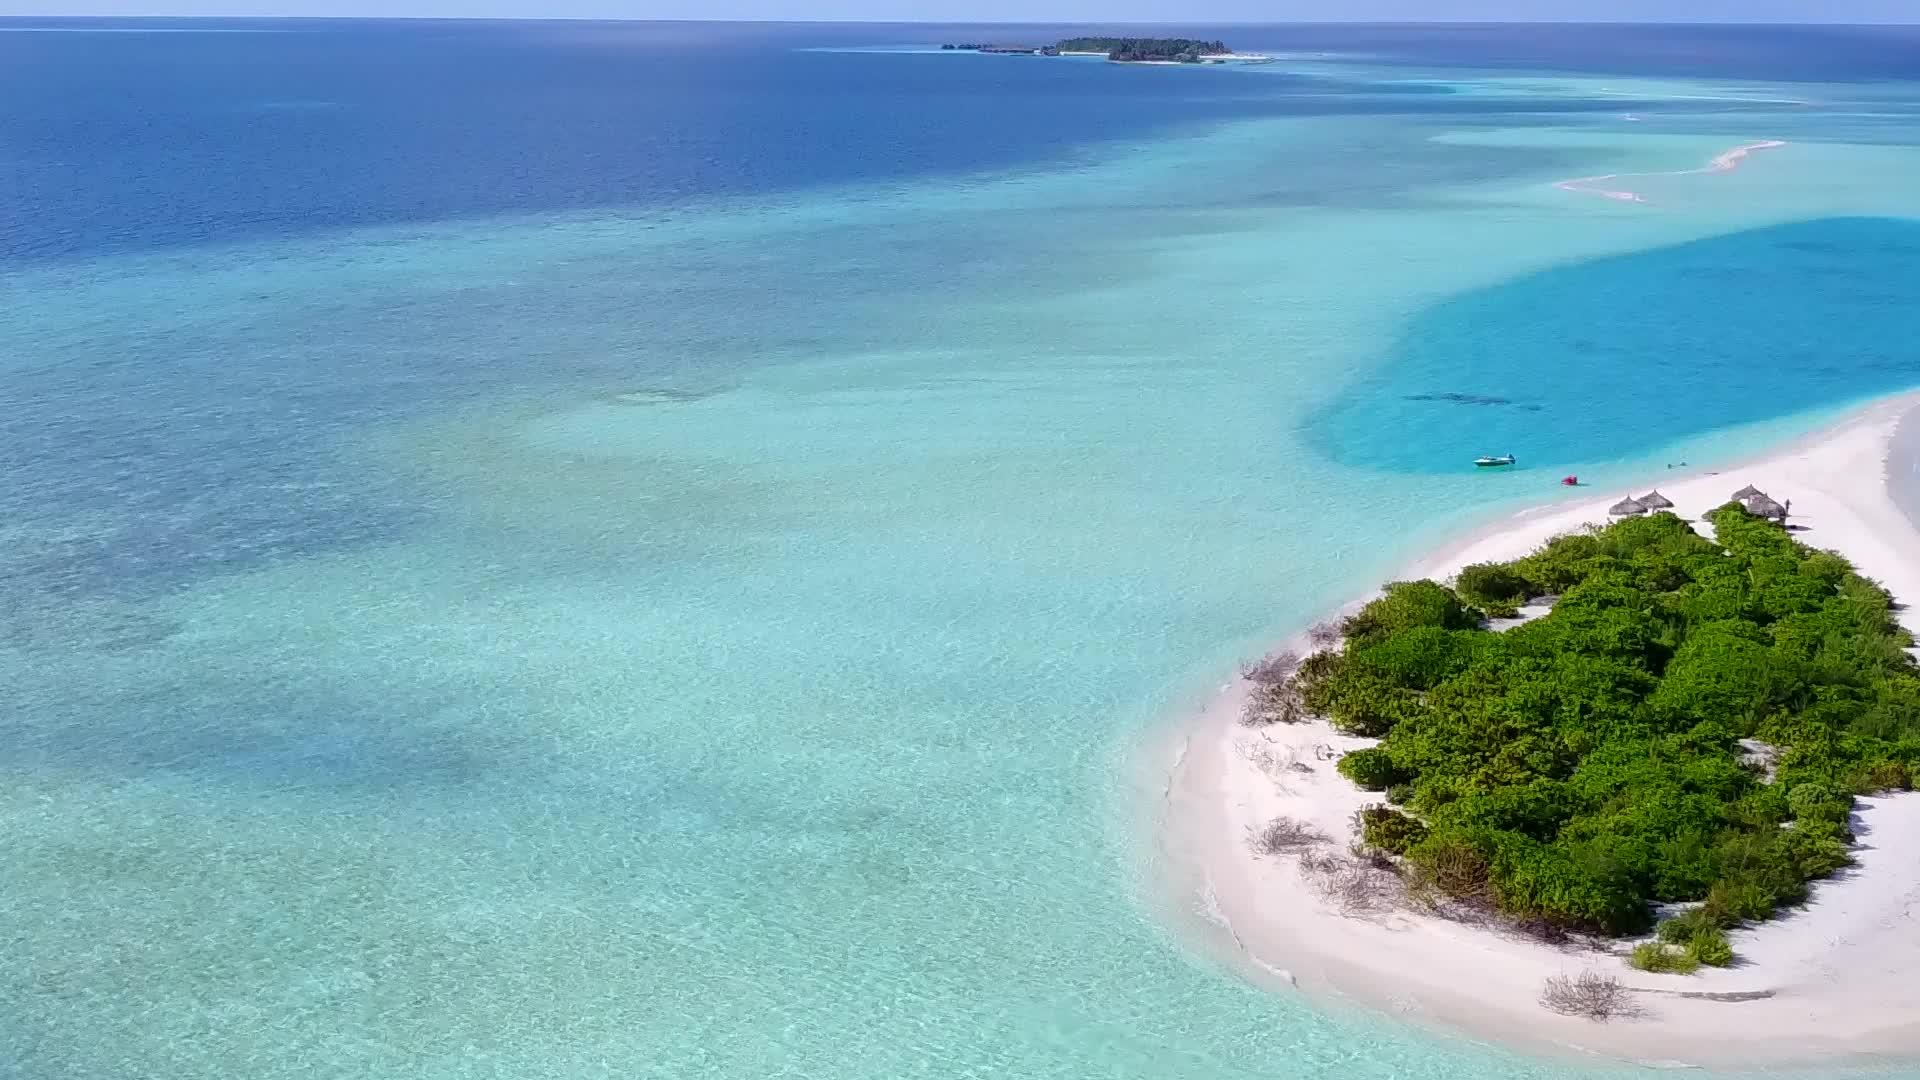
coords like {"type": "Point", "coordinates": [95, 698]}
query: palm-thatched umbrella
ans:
{"type": "Point", "coordinates": [1653, 500]}
{"type": "Point", "coordinates": [1628, 507]}
{"type": "Point", "coordinates": [1746, 493]}
{"type": "Point", "coordinates": [1761, 506]}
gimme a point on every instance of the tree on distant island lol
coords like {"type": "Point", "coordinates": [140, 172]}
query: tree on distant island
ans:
{"type": "Point", "coordinates": [1024, 50]}
{"type": "Point", "coordinates": [1121, 50]}
{"type": "Point", "coordinates": [1137, 50]}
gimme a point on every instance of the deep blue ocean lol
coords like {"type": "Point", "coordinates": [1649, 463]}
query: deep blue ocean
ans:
{"type": "Point", "coordinates": [625, 549]}
{"type": "Point", "coordinates": [139, 140]}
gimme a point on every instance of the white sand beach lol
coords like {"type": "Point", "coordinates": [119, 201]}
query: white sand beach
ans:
{"type": "Point", "coordinates": [1835, 978]}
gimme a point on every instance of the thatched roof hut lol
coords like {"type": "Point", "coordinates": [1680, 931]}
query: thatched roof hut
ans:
{"type": "Point", "coordinates": [1653, 500]}
{"type": "Point", "coordinates": [1628, 507]}
{"type": "Point", "coordinates": [1761, 506]}
{"type": "Point", "coordinates": [1746, 493]}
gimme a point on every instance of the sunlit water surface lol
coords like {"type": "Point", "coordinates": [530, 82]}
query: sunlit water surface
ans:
{"type": "Point", "coordinates": [573, 551]}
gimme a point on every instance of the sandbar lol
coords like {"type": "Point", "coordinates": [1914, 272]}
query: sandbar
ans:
{"type": "Point", "coordinates": [1726, 161]}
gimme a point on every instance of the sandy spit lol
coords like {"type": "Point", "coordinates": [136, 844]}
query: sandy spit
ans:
{"type": "Point", "coordinates": [1723, 162]}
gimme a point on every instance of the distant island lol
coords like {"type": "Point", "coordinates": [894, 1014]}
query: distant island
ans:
{"type": "Point", "coordinates": [1143, 50]}
{"type": "Point", "coordinates": [1120, 50]}
{"type": "Point", "coordinates": [1017, 50]}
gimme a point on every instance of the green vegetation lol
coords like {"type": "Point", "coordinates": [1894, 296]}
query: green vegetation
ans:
{"type": "Point", "coordinates": [1495, 588]}
{"type": "Point", "coordinates": [1661, 958]}
{"type": "Point", "coordinates": [1182, 50]}
{"type": "Point", "coordinates": [1699, 935]}
{"type": "Point", "coordinates": [1388, 830]}
{"type": "Point", "coordinates": [1571, 772]}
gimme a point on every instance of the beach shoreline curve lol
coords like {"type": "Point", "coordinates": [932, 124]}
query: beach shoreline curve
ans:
{"type": "Point", "coordinates": [1825, 981]}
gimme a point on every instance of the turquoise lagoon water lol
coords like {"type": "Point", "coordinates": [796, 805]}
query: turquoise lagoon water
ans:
{"type": "Point", "coordinates": [716, 637]}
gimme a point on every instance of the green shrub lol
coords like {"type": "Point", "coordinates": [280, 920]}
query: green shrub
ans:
{"type": "Point", "coordinates": [1407, 605]}
{"type": "Point", "coordinates": [1888, 776]}
{"type": "Point", "coordinates": [1354, 697]}
{"type": "Point", "coordinates": [1815, 849]}
{"type": "Point", "coordinates": [1366, 705]}
{"type": "Point", "coordinates": [1700, 934]}
{"type": "Point", "coordinates": [1719, 672]}
{"type": "Point", "coordinates": [1761, 807]}
{"type": "Point", "coordinates": [1709, 946]}
{"type": "Point", "coordinates": [1451, 866]}
{"type": "Point", "coordinates": [1422, 657]}
{"type": "Point", "coordinates": [1497, 587]}
{"type": "Point", "coordinates": [1682, 867]}
{"type": "Point", "coordinates": [1389, 830]}
{"type": "Point", "coordinates": [1563, 563]}
{"type": "Point", "coordinates": [1680, 929]}
{"type": "Point", "coordinates": [1818, 802]}
{"type": "Point", "coordinates": [1371, 768]}
{"type": "Point", "coordinates": [1579, 769]}
{"type": "Point", "coordinates": [1568, 887]}
{"type": "Point", "coordinates": [1663, 959]}
{"type": "Point", "coordinates": [1740, 900]}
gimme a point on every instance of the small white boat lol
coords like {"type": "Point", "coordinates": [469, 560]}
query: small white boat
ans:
{"type": "Point", "coordinates": [1492, 462]}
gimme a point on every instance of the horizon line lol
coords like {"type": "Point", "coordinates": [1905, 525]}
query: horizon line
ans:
{"type": "Point", "coordinates": [959, 22]}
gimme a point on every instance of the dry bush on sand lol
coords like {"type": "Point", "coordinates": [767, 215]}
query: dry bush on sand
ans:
{"type": "Point", "coordinates": [1324, 635]}
{"type": "Point", "coordinates": [1273, 703]}
{"type": "Point", "coordinates": [1353, 886]}
{"type": "Point", "coordinates": [1372, 857]}
{"type": "Point", "coordinates": [1544, 931]}
{"type": "Point", "coordinates": [1590, 994]}
{"type": "Point", "coordinates": [1285, 836]}
{"type": "Point", "coordinates": [1279, 764]}
{"type": "Point", "coordinates": [1317, 862]}
{"type": "Point", "coordinates": [1272, 669]}
{"type": "Point", "coordinates": [1270, 759]}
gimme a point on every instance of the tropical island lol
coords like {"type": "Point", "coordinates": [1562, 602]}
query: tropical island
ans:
{"type": "Point", "coordinates": [1120, 50]}
{"type": "Point", "coordinates": [1684, 731]}
{"type": "Point", "coordinates": [1634, 787]}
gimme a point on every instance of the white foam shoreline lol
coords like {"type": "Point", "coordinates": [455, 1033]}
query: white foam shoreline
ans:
{"type": "Point", "coordinates": [1837, 975]}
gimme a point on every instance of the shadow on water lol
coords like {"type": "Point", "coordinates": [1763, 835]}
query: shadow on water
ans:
{"type": "Point", "coordinates": [1600, 359]}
